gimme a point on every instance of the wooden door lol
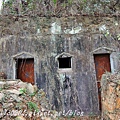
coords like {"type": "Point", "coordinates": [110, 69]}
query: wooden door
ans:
{"type": "Point", "coordinates": [102, 65]}
{"type": "Point", "coordinates": [25, 70]}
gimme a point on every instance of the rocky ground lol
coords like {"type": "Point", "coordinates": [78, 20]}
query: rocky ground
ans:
{"type": "Point", "coordinates": [20, 101]}
{"type": "Point", "coordinates": [23, 101]}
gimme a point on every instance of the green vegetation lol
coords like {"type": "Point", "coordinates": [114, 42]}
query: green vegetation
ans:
{"type": "Point", "coordinates": [32, 94]}
{"type": "Point", "coordinates": [32, 106]}
{"type": "Point", "coordinates": [1, 89]}
{"type": "Point", "coordinates": [61, 6]}
{"type": "Point", "coordinates": [23, 91]}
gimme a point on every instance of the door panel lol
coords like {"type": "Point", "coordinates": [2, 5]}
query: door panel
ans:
{"type": "Point", "coordinates": [25, 70]}
{"type": "Point", "coordinates": [102, 65]}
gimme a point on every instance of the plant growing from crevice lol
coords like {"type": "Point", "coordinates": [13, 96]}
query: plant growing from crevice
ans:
{"type": "Point", "coordinates": [32, 94]}
{"type": "Point", "coordinates": [33, 106]}
{"type": "Point", "coordinates": [23, 91]}
{"type": "Point", "coordinates": [1, 89]}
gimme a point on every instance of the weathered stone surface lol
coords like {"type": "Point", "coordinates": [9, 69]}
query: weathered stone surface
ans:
{"type": "Point", "coordinates": [20, 118]}
{"type": "Point", "coordinates": [2, 84]}
{"type": "Point", "coordinates": [1, 96]}
{"type": "Point", "coordinates": [14, 91]}
{"type": "Point", "coordinates": [30, 88]}
{"type": "Point", "coordinates": [111, 97]}
{"type": "Point", "coordinates": [22, 85]}
{"type": "Point", "coordinates": [12, 82]}
{"type": "Point", "coordinates": [46, 38]}
{"type": "Point", "coordinates": [8, 105]}
{"type": "Point", "coordinates": [15, 97]}
{"type": "Point", "coordinates": [46, 118]}
{"type": "Point", "coordinates": [35, 88]}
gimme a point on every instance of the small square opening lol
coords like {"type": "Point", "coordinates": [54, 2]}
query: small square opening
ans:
{"type": "Point", "coordinates": [64, 62]}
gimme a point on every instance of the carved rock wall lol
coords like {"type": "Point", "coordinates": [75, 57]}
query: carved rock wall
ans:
{"type": "Point", "coordinates": [111, 96]}
{"type": "Point", "coordinates": [47, 38]}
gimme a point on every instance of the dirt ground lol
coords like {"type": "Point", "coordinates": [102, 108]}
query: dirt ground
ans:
{"type": "Point", "coordinates": [81, 118]}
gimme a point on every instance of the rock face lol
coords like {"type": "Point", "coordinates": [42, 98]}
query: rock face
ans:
{"type": "Point", "coordinates": [19, 102]}
{"type": "Point", "coordinates": [111, 97]}
{"type": "Point", "coordinates": [46, 40]}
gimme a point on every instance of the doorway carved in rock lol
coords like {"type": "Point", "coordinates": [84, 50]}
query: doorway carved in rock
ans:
{"type": "Point", "coordinates": [25, 66]}
{"type": "Point", "coordinates": [102, 65]}
{"type": "Point", "coordinates": [25, 70]}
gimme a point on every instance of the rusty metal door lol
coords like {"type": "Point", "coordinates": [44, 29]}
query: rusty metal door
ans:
{"type": "Point", "coordinates": [102, 65]}
{"type": "Point", "coordinates": [25, 70]}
